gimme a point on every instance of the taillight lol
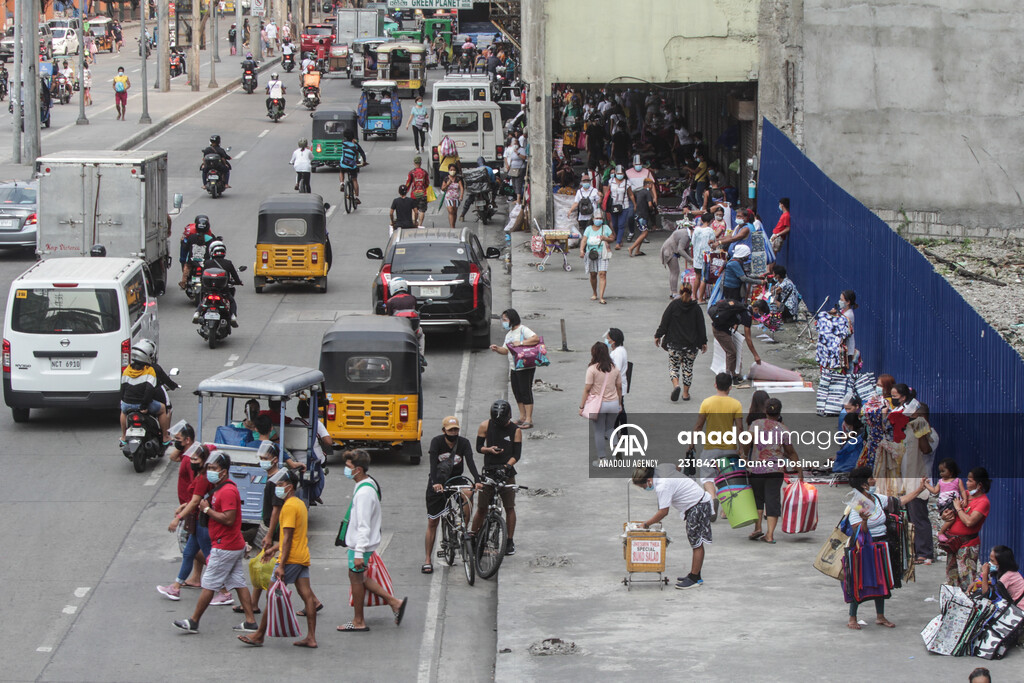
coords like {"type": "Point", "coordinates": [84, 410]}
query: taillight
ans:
{"type": "Point", "coordinates": [434, 154]}
{"type": "Point", "coordinates": [32, 219]}
{"type": "Point", "coordinates": [313, 257]}
{"type": "Point", "coordinates": [403, 413]}
{"type": "Point", "coordinates": [265, 257]}
{"type": "Point", "coordinates": [65, 284]}
{"type": "Point", "coordinates": [499, 151]}
{"type": "Point", "coordinates": [332, 410]}
{"type": "Point", "coordinates": [213, 297]}
{"type": "Point", "coordinates": [319, 149]}
{"type": "Point", "coordinates": [474, 280]}
{"type": "Point", "coordinates": [126, 353]}
{"type": "Point", "coordinates": [136, 419]}
{"type": "Point", "coordinates": [7, 356]}
{"type": "Point", "coordinates": [385, 280]}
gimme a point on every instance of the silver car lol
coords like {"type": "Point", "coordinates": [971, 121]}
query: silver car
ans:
{"type": "Point", "coordinates": [18, 214]}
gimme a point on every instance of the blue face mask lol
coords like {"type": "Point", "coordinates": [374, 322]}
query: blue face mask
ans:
{"type": "Point", "coordinates": [608, 343]}
{"type": "Point", "coordinates": [280, 492]}
{"type": "Point", "coordinates": [598, 223]}
{"type": "Point", "coordinates": [585, 186]}
{"type": "Point", "coordinates": [212, 477]}
{"type": "Point", "coordinates": [649, 488]}
{"type": "Point", "coordinates": [638, 167]}
{"type": "Point", "coordinates": [349, 472]}
{"type": "Point", "coordinates": [992, 567]}
{"type": "Point", "coordinates": [505, 325]}
{"type": "Point", "coordinates": [872, 489]}
{"type": "Point", "coordinates": [266, 464]}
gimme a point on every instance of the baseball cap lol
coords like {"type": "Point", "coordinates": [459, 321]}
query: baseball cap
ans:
{"type": "Point", "coordinates": [450, 422]}
{"type": "Point", "coordinates": [741, 251]}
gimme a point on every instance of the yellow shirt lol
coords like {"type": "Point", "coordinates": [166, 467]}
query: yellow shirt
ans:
{"type": "Point", "coordinates": [295, 516]}
{"type": "Point", "coordinates": [123, 80]}
{"type": "Point", "coordinates": [721, 412]}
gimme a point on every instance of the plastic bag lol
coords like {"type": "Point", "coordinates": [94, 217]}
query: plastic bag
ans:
{"type": "Point", "coordinates": [281, 621]}
{"type": "Point", "coordinates": [260, 572]}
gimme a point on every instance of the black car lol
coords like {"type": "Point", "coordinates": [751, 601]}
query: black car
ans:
{"type": "Point", "coordinates": [447, 272]}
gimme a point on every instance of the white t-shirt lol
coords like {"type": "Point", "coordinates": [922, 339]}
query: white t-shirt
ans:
{"type": "Point", "coordinates": [595, 200]}
{"type": "Point", "coordinates": [275, 89]}
{"type": "Point", "coordinates": [636, 178]}
{"type": "Point", "coordinates": [287, 49]}
{"type": "Point", "coordinates": [680, 493]}
{"type": "Point", "coordinates": [321, 432]}
{"type": "Point", "coordinates": [621, 360]}
{"type": "Point", "coordinates": [302, 160]}
{"type": "Point", "coordinates": [876, 521]}
{"type": "Point", "coordinates": [683, 136]}
{"type": "Point", "coordinates": [306, 62]}
{"type": "Point", "coordinates": [701, 243]}
{"type": "Point", "coordinates": [271, 31]}
{"type": "Point", "coordinates": [516, 337]}
{"type": "Point", "coordinates": [513, 155]}
{"type": "Point", "coordinates": [851, 344]}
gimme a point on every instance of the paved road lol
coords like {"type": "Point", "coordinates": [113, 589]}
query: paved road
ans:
{"type": "Point", "coordinates": [90, 533]}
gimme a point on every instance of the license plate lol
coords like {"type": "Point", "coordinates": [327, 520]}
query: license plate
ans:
{"type": "Point", "coordinates": [8, 223]}
{"type": "Point", "coordinates": [212, 176]}
{"type": "Point", "coordinates": [65, 363]}
{"type": "Point", "coordinates": [212, 315]}
{"type": "Point", "coordinates": [311, 96]}
{"type": "Point", "coordinates": [135, 431]}
{"type": "Point", "coordinates": [430, 291]}
{"type": "Point", "coordinates": [378, 124]}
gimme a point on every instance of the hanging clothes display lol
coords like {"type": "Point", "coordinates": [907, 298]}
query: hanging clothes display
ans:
{"type": "Point", "coordinates": [831, 356]}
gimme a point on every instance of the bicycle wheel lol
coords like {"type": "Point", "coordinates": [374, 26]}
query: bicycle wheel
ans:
{"type": "Point", "coordinates": [349, 204]}
{"type": "Point", "coordinates": [468, 560]}
{"type": "Point", "coordinates": [490, 546]}
{"type": "Point", "coordinates": [450, 541]}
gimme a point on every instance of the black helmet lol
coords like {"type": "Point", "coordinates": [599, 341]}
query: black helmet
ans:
{"type": "Point", "coordinates": [202, 223]}
{"type": "Point", "coordinates": [98, 250]}
{"type": "Point", "coordinates": [501, 411]}
{"type": "Point", "coordinates": [214, 139]}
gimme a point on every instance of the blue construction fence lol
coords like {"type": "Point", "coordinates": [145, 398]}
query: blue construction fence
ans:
{"type": "Point", "coordinates": [911, 324]}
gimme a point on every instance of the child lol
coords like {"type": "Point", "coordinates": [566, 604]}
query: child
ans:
{"type": "Point", "coordinates": [950, 487]}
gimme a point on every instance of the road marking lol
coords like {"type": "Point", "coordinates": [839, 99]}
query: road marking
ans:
{"type": "Point", "coordinates": [44, 649]}
{"type": "Point", "coordinates": [232, 359]}
{"type": "Point", "coordinates": [157, 473]}
{"type": "Point", "coordinates": [135, 71]}
{"type": "Point", "coordinates": [263, 133]}
{"type": "Point", "coordinates": [82, 591]}
{"type": "Point", "coordinates": [241, 154]}
{"type": "Point", "coordinates": [331, 210]}
{"type": "Point", "coordinates": [69, 609]}
{"type": "Point", "coordinates": [428, 648]}
{"type": "Point", "coordinates": [171, 127]}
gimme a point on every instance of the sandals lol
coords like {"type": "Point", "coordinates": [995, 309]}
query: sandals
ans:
{"type": "Point", "coordinates": [400, 612]}
{"type": "Point", "coordinates": [237, 609]}
{"type": "Point", "coordinates": [756, 536]}
{"type": "Point", "coordinates": [427, 569]}
{"type": "Point", "coordinates": [350, 627]}
{"type": "Point", "coordinates": [302, 612]}
{"type": "Point", "coordinates": [526, 425]}
{"type": "Point", "coordinates": [922, 560]}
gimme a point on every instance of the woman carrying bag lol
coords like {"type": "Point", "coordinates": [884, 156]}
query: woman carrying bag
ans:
{"type": "Point", "coordinates": [518, 335]}
{"type": "Point", "coordinates": [602, 396]}
{"type": "Point", "coordinates": [596, 254]}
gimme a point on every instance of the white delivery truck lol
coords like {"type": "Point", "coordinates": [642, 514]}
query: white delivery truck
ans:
{"type": "Point", "coordinates": [352, 23]}
{"type": "Point", "coordinates": [116, 199]}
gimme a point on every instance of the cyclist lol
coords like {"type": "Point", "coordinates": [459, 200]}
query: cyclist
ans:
{"type": "Point", "coordinates": [351, 153]}
{"type": "Point", "coordinates": [500, 441]}
{"type": "Point", "coordinates": [448, 453]}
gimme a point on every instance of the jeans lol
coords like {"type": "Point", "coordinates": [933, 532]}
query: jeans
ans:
{"type": "Point", "coordinates": [602, 427]}
{"type": "Point", "coordinates": [620, 223]}
{"type": "Point", "coordinates": [200, 540]}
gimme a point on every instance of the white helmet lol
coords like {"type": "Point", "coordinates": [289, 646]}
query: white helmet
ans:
{"type": "Point", "coordinates": [217, 249]}
{"type": "Point", "coordinates": [397, 285]}
{"type": "Point", "coordinates": [144, 351]}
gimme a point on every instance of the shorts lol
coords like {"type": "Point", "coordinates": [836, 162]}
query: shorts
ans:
{"type": "Point", "coordinates": [353, 171]}
{"type": "Point", "coordinates": [154, 407]}
{"type": "Point", "coordinates": [421, 203]}
{"type": "Point", "coordinates": [508, 496]}
{"type": "Point", "coordinates": [451, 201]}
{"type": "Point", "coordinates": [352, 561]}
{"type": "Point", "coordinates": [436, 503]}
{"type": "Point", "coordinates": [767, 490]}
{"type": "Point", "coordinates": [225, 570]}
{"type": "Point", "coordinates": [121, 98]}
{"type": "Point", "coordinates": [596, 265]}
{"type": "Point", "coordinates": [698, 524]}
{"type": "Point", "coordinates": [294, 572]}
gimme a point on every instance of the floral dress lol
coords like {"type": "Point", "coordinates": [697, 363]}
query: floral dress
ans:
{"type": "Point", "coordinates": [878, 429]}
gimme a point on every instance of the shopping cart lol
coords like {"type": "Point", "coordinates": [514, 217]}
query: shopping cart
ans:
{"type": "Point", "coordinates": [555, 242]}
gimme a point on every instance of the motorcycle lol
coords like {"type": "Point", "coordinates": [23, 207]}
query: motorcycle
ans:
{"type": "Point", "coordinates": [276, 110]}
{"type": "Point", "coordinates": [484, 207]}
{"type": "Point", "coordinates": [143, 439]}
{"type": "Point", "coordinates": [288, 62]}
{"type": "Point", "coordinates": [194, 284]}
{"type": "Point", "coordinates": [413, 317]}
{"type": "Point", "coordinates": [249, 81]}
{"type": "Point", "coordinates": [214, 318]}
{"type": "Point", "coordinates": [3, 85]}
{"type": "Point", "coordinates": [215, 182]}
{"type": "Point", "coordinates": [61, 90]}
{"type": "Point", "coordinates": [311, 97]}
{"type": "Point", "coordinates": [177, 64]}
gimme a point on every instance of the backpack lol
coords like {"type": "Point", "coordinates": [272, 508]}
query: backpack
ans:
{"type": "Point", "coordinates": [349, 155]}
{"type": "Point", "coordinates": [586, 207]}
{"type": "Point", "coordinates": [723, 313]}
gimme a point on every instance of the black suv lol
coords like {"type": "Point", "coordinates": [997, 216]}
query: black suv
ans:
{"type": "Point", "coordinates": [447, 272]}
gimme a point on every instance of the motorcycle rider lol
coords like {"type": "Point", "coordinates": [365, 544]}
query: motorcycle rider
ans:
{"type": "Point", "coordinates": [287, 49]}
{"type": "Point", "coordinates": [163, 382]}
{"type": "Point", "coordinates": [351, 152]}
{"type": "Point", "coordinates": [275, 90]}
{"type": "Point", "coordinates": [218, 259]}
{"type": "Point", "coordinates": [311, 80]}
{"type": "Point", "coordinates": [307, 61]}
{"type": "Point", "coordinates": [138, 390]}
{"type": "Point", "coordinates": [249, 64]}
{"type": "Point", "coordinates": [194, 245]}
{"type": "Point", "coordinates": [399, 299]}
{"type": "Point", "coordinates": [488, 196]}
{"type": "Point", "coordinates": [224, 167]}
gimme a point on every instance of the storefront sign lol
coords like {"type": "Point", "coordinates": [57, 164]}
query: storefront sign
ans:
{"type": "Point", "coordinates": [431, 4]}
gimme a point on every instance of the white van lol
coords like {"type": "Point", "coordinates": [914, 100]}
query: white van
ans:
{"type": "Point", "coordinates": [69, 329]}
{"type": "Point", "coordinates": [474, 126]}
{"type": "Point", "coordinates": [462, 88]}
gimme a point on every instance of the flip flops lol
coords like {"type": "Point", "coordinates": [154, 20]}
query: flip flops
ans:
{"type": "Point", "coordinates": [350, 627]}
{"type": "Point", "coordinates": [249, 641]}
{"type": "Point", "coordinates": [427, 569]}
{"type": "Point", "coordinates": [756, 536]}
{"type": "Point", "coordinates": [400, 612]}
{"type": "Point", "coordinates": [237, 609]}
{"type": "Point", "coordinates": [302, 612]}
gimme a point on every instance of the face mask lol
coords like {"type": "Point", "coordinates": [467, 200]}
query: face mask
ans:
{"type": "Point", "coordinates": [872, 489]}
{"type": "Point", "coordinates": [280, 492]}
{"type": "Point", "coordinates": [585, 186]}
{"type": "Point", "coordinates": [349, 472]}
{"type": "Point", "coordinates": [196, 467]}
{"type": "Point", "coordinates": [608, 343]}
{"type": "Point", "coordinates": [620, 176]}
{"type": "Point", "coordinates": [598, 223]}
{"type": "Point", "coordinates": [649, 488]}
{"type": "Point", "coordinates": [638, 167]}
{"type": "Point", "coordinates": [178, 445]}
{"type": "Point", "coordinates": [843, 305]}
{"type": "Point", "coordinates": [266, 464]}
{"type": "Point", "coordinates": [212, 477]}
{"type": "Point", "coordinates": [878, 391]}
{"type": "Point", "coordinates": [505, 325]}
{"type": "Point", "coordinates": [972, 493]}
{"type": "Point", "coordinates": [992, 567]}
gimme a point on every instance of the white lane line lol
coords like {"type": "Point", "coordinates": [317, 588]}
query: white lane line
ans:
{"type": "Point", "coordinates": [82, 591]}
{"type": "Point", "coordinates": [135, 71]}
{"type": "Point", "coordinates": [232, 359]}
{"type": "Point", "coordinates": [427, 647]}
{"type": "Point", "coordinates": [331, 210]}
{"type": "Point", "coordinates": [263, 133]}
{"type": "Point", "coordinates": [171, 127]}
{"type": "Point", "coordinates": [44, 649]}
{"type": "Point", "coordinates": [70, 609]}
{"type": "Point", "coordinates": [157, 472]}
{"type": "Point", "coordinates": [241, 154]}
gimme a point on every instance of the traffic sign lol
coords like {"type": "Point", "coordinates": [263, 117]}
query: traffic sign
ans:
{"type": "Point", "coordinates": [259, 8]}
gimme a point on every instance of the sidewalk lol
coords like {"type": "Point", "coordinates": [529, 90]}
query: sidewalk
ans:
{"type": "Point", "coordinates": [763, 614]}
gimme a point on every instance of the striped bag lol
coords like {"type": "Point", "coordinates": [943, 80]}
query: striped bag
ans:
{"type": "Point", "coordinates": [799, 508]}
{"type": "Point", "coordinates": [281, 621]}
{"type": "Point", "coordinates": [379, 573]}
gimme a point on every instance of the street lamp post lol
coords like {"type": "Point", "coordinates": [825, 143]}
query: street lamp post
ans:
{"type": "Point", "coordinates": [213, 30]}
{"type": "Point", "coordinates": [82, 121]}
{"type": "Point", "coordinates": [143, 50]}
{"type": "Point", "coordinates": [216, 29]}
{"type": "Point", "coordinates": [18, 79]}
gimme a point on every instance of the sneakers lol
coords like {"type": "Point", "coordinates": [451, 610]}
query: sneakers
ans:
{"type": "Point", "coordinates": [234, 321]}
{"type": "Point", "coordinates": [737, 380]}
{"type": "Point", "coordinates": [187, 625]}
{"type": "Point", "coordinates": [510, 548]}
{"type": "Point", "coordinates": [222, 598]}
{"type": "Point", "coordinates": [688, 582]}
{"type": "Point", "coordinates": [247, 627]}
{"type": "Point", "coordinates": [169, 592]}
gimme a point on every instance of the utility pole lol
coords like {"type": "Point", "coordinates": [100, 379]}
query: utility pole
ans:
{"type": "Point", "coordinates": [538, 105]}
{"type": "Point", "coordinates": [82, 120]}
{"type": "Point", "coordinates": [194, 66]}
{"type": "Point", "coordinates": [143, 51]}
{"type": "Point", "coordinates": [163, 46]}
{"type": "Point", "coordinates": [30, 66]}
{"type": "Point", "coordinates": [17, 89]}
{"type": "Point", "coordinates": [215, 8]}
{"type": "Point", "coordinates": [239, 34]}
{"type": "Point", "coordinates": [213, 30]}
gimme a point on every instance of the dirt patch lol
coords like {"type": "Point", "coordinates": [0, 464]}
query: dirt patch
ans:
{"type": "Point", "coordinates": [533, 288]}
{"type": "Point", "coordinates": [541, 385]}
{"type": "Point", "coordinates": [543, 493]}
{"type": "Point", "coordinates": [546, 561]}
{"type": "Point", "coordinates": [554, 646]}
{"type": "Point", "coordinates": [533, 435]}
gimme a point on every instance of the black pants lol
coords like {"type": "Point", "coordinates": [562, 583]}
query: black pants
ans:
{"type": "Point", "coordinates": [419, 137]}
{"type": "Point", "coordinates": [767, 490]}
{"type": "Point", "coordinates": [731, 293]}
{"type": "Point", "coordinates": [522, 385]}
{"type": "Point", "coordinates": [302, 178]}
{"type": "Point", "coordinates": [917, 510]}
{"type": "Point", "coordinates": [622, 418]}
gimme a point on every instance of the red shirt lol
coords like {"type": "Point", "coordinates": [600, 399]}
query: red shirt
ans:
{"type": "Point", "coordinates": [980, 504]}
{"type": "Point", "coordinates": [225, 537]}
{"type": "Point", "coordinates": [782, 224]}
{"type": "Point", "coordinates": [417, 182]}
{"type": "Point", "coordinates": [185, 478]}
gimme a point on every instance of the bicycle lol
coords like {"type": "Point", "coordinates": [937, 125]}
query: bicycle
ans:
{"type": "Point", "coordinates": [454, 531]}
{"type": "Point", "coordinates": [348, 189]}
{"type": "Point", "coordinates": [492, 539]}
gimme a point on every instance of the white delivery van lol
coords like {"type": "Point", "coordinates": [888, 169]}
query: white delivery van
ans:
{"type": "Point", "coordinates": [475, 127]}
{"type": "Point", "coordinates": [462, 88]}
{"type": "Point", "coordinates": [69, 329]}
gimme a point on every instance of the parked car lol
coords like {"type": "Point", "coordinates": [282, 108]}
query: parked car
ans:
{"type": "Point", "coordinates": [447, 272]}
{"type": "Point", "coordinates": [45, 43]}
{"type": "Point", "coordinates": [18, 214]}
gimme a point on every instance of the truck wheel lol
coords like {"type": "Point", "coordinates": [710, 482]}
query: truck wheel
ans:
{"type": "Point", "coordinates": [482, 340]}
{"type": "Point", "coordinates": [414, 451]}
{"type": "Point", "coordinates": [20, 414]}
{"type": "Point", "coordinates": [366, 136]}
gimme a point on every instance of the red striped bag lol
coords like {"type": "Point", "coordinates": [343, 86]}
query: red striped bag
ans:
{"type": "Point", "coordinates": [379, 573]}
{"type": "Point", "coordinates": [799, 508]}
{"type": "Point", "coordinates": [281, 621]}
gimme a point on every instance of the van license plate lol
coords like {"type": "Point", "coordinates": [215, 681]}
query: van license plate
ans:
{"type": "Point", "coordinates": [430, 291]}
{"type": "Point", "coordinates": [65, 363]}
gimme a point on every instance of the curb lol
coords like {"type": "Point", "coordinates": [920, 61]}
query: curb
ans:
{"type": "Point", "coordinates": [152, 130]}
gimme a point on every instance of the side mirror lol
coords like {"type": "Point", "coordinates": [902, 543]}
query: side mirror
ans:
{"type": "Point", "coordinates": [327, 206]}
{"type": "Point", "coordinates": [174, 372]}
{"type": "Point", "coordinates": [179, 199]}
{"type": "Point", "coordinates": [227, 149]}
{"type": "Point", "coordinates": [492, 252]}
{"type": "Point", "coordinates": [242, 269]}
{"type": "Point", "coordinates": [375, 254]}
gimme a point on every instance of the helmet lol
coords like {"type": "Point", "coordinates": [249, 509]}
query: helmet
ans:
{"type": "Point", "coordinates": [501, 411]}
{"type": "Point", "coordinates": [202, 223]}
{"type": "Point", "coordinates": [273, 76]}
{"type": "Point", "coordinates": [98, 250]}
{"type": "Point", "coordinates": [398, 285]}
{"type": "Point", "coordinates": [190, 230]}
{"type": "Point", "coordinates": [303, 142]}
{"type": "Point", "coordinates": [217, 249]}
{"type": "Point", "coordinates": [248, 55]}
{"type": "Point", "coordinates": [144, 351]}
{"type": "Point", "coordinates": [214, 139]}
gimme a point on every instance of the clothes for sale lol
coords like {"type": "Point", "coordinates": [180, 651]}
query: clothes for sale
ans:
{"type": "Point", "coordinates": [832, 332]}
{"type": "Point", "coordinates": [878, 429]}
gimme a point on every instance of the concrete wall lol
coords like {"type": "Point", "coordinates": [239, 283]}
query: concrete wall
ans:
{"type": "Point", "coordinates": [597, 41]}
{"type": "Point", "coordinates": [916, 106]}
